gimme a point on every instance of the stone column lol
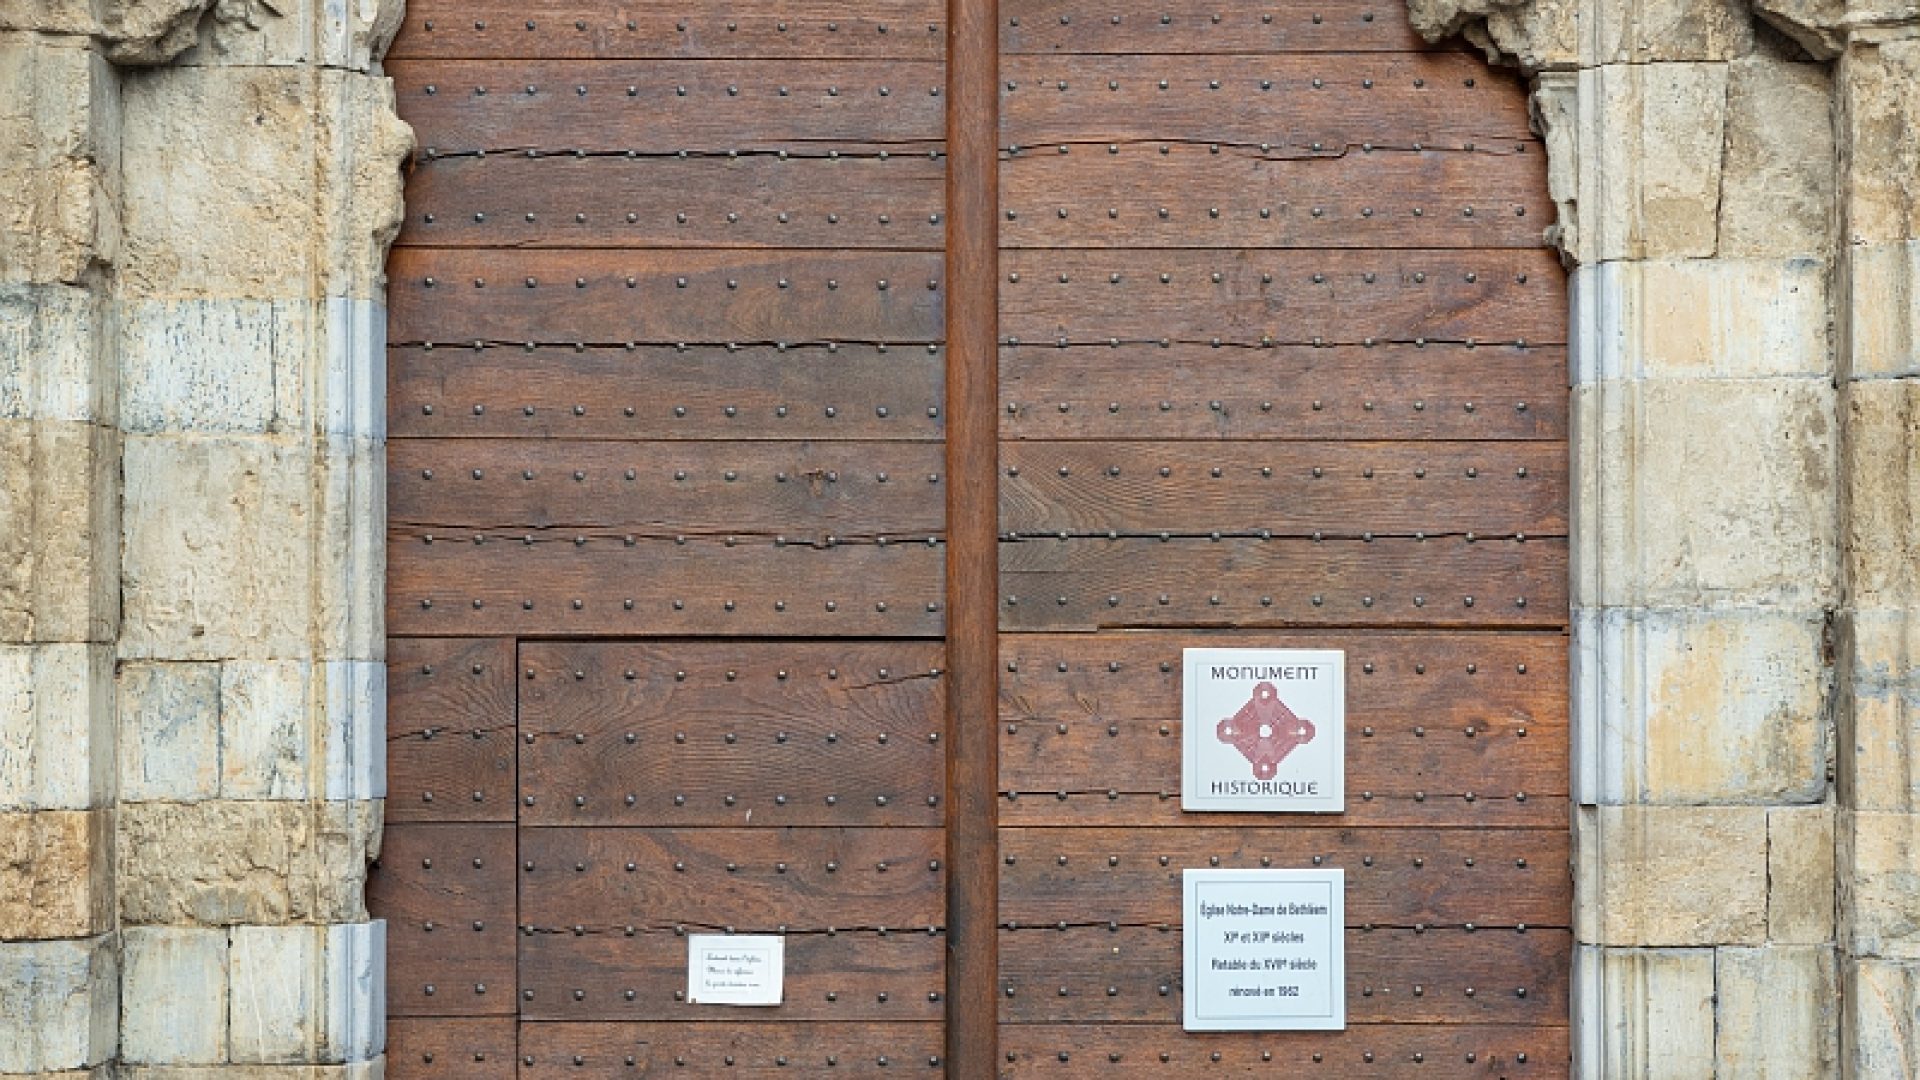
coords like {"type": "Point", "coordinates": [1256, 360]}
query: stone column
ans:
{"type": "Point", "coordinates": [262, 190]}
{"type": "Point", "coordinates": [59, 550]}
{"type": "Point", "coordinates": [1692, 159]}
{"type": "Point", "coordinates": [1878, 103]}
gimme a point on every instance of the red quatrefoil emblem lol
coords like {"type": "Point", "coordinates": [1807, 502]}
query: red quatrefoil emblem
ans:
{"type": "Point", "coordinates": [1265, 731]}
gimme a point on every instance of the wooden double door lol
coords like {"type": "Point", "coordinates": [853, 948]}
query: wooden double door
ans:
{"type": "Point", "coordinates": [816, 429]}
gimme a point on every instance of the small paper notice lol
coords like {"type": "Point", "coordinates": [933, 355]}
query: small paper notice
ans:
{"type": "Point", "coordinates": [735, 969]}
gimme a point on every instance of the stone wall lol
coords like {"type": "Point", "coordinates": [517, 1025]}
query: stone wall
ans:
{"type": "Point", "coordinates": [196, 198]}
{"type": "Point", "coordinates": [1739, 194]}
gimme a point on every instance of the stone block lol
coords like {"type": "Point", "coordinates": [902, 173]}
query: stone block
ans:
{"type": "Point", "coordinates": [219, 549]}
{"type": "Point", "coordinates": [1879, 869]}
{"type": "Point", "coordinates": [51, 362]}
{"type": "Point", "coordinates": [1716, 492]}
{"type": "Point", "coordinates": [1661, 876]}
{"type": "Point", "coordinates": [1532, 36]}
{"type": "Point", "coordinates": [352, 404]}
{"type": "Point", "coordinates": [1883, 485]}
{"type": "Point", "coordinates": [356, 723]}
{"type": "Point", "coordinates": [58, 123]}
{"type": "Point", "coordinates": [351, 559]}
{"type": "Point", "coordinates": [1882, 1033]}
{"type": "Point", "coordinates": [1877, 87]}
{"type": "Point", "coordinates": [1665, 31]}
{"type": "Point", "coordinates": [1800, 879]}
{"type": "Point", "coordinates": [266, 724]}
{"type": "Point", "coordinates": [364, 1070]}
{"type": "Point", "coordinates": [59, 554]}
{"type": "Point", "coordinates": [1723, 707]}
{"type": "Point", "coordinates": [1777, 194]}
{"type": "Point", "coordinates": [220, 184]}
{"type": "Point", "coordinates": [215, 366]}
{"type": "Point", "coordinates": [252, 863]}
{"type": "Point", "coordinates": [1883, 327]}
{"type": "Point", "coordinates": [1650, 144]}
{"type": "Point", "coordinates": [1701, 319]}
{"type": "Point", "coordinates": [173, 995]}
{"type": "Point", "coordinates": [59, 1004]}
{"type": "Point", "coordinates": [56, 727]}
{"type": "Point", "coordinates": [1644, 1014]}
{"type": "Point", "coordinates": [309, 993]}
{"type": "Point", "coordinates": [1778, 1013]}
{"type": "Point", "coordinates": [1879, 706]}
{"type": "Point", "coordinates": [364, 144]}
{"type": "Point", "coordinates": [169, 731]}
{"type": "Point", "coordinates": [56, 874]}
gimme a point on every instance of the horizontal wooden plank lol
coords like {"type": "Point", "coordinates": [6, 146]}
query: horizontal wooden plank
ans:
{"type": "Point", "coordinates": [448, 1048]}
{"type": "Point", "coordinates": [450, 721]}
{"type": "Point", "coordinates": [1297, 392]}
{"type": "Point", "coordinates": [731, 1047]}
{"type": "Point", "coordinates": [1199, 26]}
{"type": "Point", "coordinates": [666, 106]}
{"type": "Point", "coordinates": [662, 392]}
{"type": "Point", "coordinates": [1286, 488]}
{"type": "Point", "coordinates": [447, 894]}
{"type": "Point", "coordinates": [1133, 975]}
{"type": "Point", "coordinates": [1431, 717]}
{"type": "Point", "coordinates": [1134, 196]}
{"type": "Point", "coordinates": [613, 297]}
{"type": "Point", "coordinates": [1048, 584]}
{"type": "Point", "coordinates": [855, 975]}
{"type": "Point", "coordinates": [1395, 877]}
{"type": "Point", "coordinates": [757, 587]}
{"type": "Point", "coordinates": [1297, 103]}
{"type": "Point", "coordinates": [669, 488]}
{"type": "Point", "coordinates": [1362, 1052]}
{"type": "Point", "coordinates": [753, 880]}
{"type": "Point", "coordinates": [585, 29]}
{"type": "Point", "coordinates": [564, 201]}
{"type": "Point", "coordinates": [1093, 298]}
{"type": "Point", "coordinates": [747, 734]}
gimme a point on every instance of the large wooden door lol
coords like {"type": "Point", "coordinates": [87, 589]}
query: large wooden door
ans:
{"type": "Point", "coordinates": [735, 349]}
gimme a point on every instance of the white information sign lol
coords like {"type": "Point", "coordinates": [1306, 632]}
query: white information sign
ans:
{"type": "Point", "coordinates": [1266, 950]}
{"type": "Point", "coordinates": [735, 969]}
{"type": "Point", "coordinates": [1264, 730]}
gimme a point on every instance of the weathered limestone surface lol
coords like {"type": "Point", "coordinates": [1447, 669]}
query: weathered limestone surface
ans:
{"type": "Point", "coordinates": [55, 873]}
{"type": "Point", "coordinates": [1758, 1039]}
{"type": "Point", "coordinates": [1672, 876]}
{"type": "Point", "coordinates": [1800, 874]}
{"type": "Point", "coordinates": [229, 862]}
{"type": "Point", "coordinates": [174, 995]}
{"type": "Point", "coordinates": [59, 1004]}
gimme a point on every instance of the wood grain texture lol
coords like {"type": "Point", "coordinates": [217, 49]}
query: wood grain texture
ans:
{"type": "Point", "coordinates": [1093, 298]}
{"type": "Point", "coordinates": [447, 894]}
{"type": "Point", "coordinates": [1344, 488]}
{"type": "Point", "coordinates": [1362, 1052]}
{"type": "Point", "coordinates": [829, 105]}
{"type": "Point", "coordinates": [1299, 392]}
{"type": "Point", "coordinates": [1134, 196]}
{"type": "Point", "coordinates": [663, 392]}
{"type": "Point", "coordinates": [726, 1046]}
{"type": "Point", "coordinates": [1116, 875]}
{"type": "Point", "coordinates": [569, 202]}
{"type": "Point", "coordinates": [852, 975]}
{"type": "Point", "coordinates": [1133, 975]}
{"type": "Point", "coordinates": [609, 298]}
{"type": "Point", "coordinates": [753, 880]}
{"type": "Point", "coordinates": [1205, 28]}
{"type": "Point", "coordinates": [660, 588]}
{"type": "Point", "coordinates": [854, 490]}
{"type": "Point", "coordinates": [749, 734]}
{"type": "Point", "coordinates": [1230, 582]}
{"type": "Point", "coordinates": [584, 29]}
{"type": "Point", "coordinates": [1439, 100]}
{"type": "Point", "coordinates": [450, 722]}
{"type": "Point", "coordinates": [446, 1048]}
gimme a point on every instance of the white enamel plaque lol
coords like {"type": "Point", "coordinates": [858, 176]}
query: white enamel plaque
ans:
{"type": "Point", "coordinates": [1265, 950]}
{"type": "Point", "coordinates": [735, 969]}
{"type": "Point", "coordinates": [1264, 730]}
